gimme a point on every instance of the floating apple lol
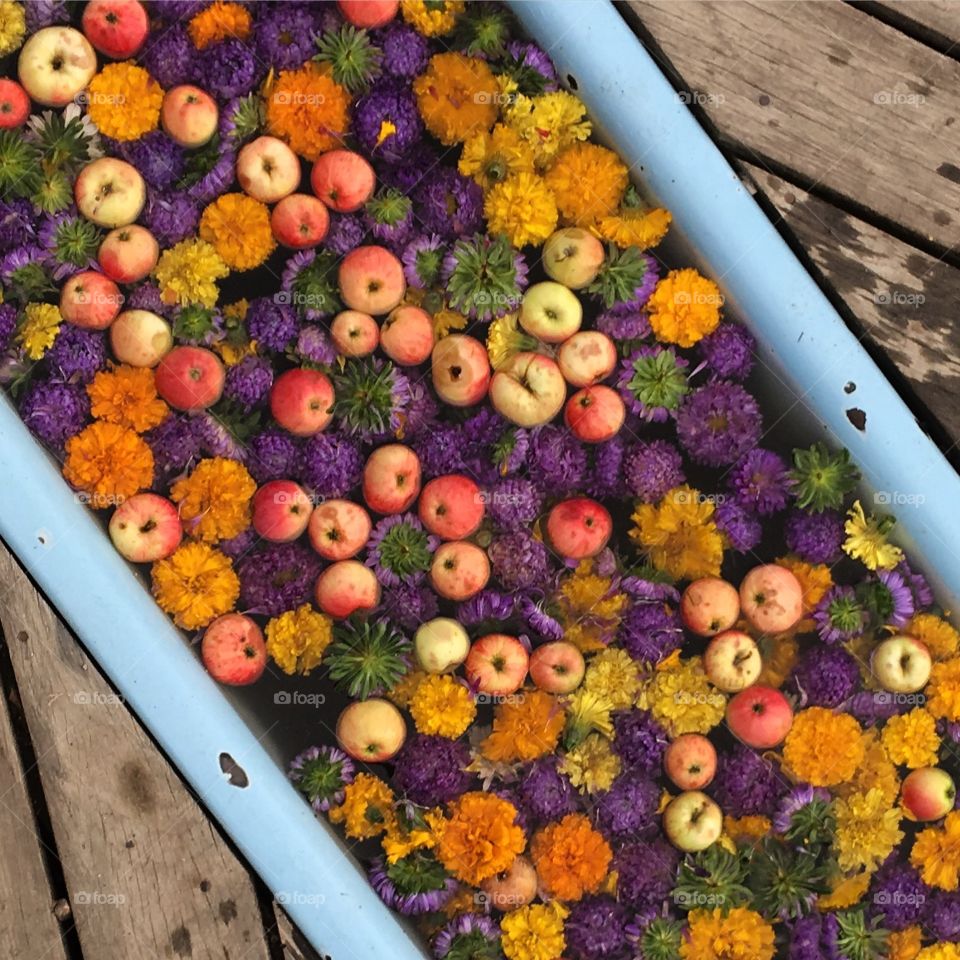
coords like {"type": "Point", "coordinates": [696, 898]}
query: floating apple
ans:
{"type": "Point", "coordinates": [595, 414]}
{"type": "Point", "coordinates": [128, 254]}
{"type": "Point", "coordinates": [301, 401]}
{"type": "Point", "coordinates": [281, 511]}
{"type": "Point", "coordinates": [343, 180]}
{"type": "Point", "coordinates": [459, 570]}
{"type": "Point", "coordinates": [514, 888]}
{"type": "Point", "coordinates": [451, 507]}
{"type": "Point", "coordinates": [117, 28]}
{"type": "Point", "coordinates": [299, 221]}
{"type": "Point", "coordinates": [732, 661]}
{"type": "Point", "coordinates": [233, 650]}
{"type": "Point", "coordinates": [368, 14]}
{"type": "Point", "coordinates": [690, 761]}
{"type": "Point", "coordinates": [145, 528]}
{"type": "Point", "coordinates": [391, 479]}
{"type": "Point", "coordinates": [557, 667]}
{"type": "Point", "coordinates": [338, 529]}
{"type": "Point", "coordinates": [709, 605]}
{"type": "Point", "coordinates": [759, 716]}
{"type": "Point", "coordinates": [901, 664]}
{"type": "Point", "coordinates": [55, 64]}
{"type": "Point", "coordinates": [692, 821]}
{"type": "Point", "coordinates": [441, 645]}
{"type": "Point", "coordinates": [573, 257]}
{"type": "Point", "coordinates": [345, 588]}
{"type": "Point", "coordinates": [189, 116]}
{"type": "Point", "coordinates": [371, 730]}
{"type": "Point", "coordinates": [497, 664]}
{"type": "Point", "coordinates": [579, 527]}
{"type": "Point", "coordinates": [267, 169]}
{"type": "Point", "coordinates": [588, 357]}
{"type": "Point", "coordinates": [406, 336]}
{"type": "Point", "coordinates": [371, 280]}
{"type": "Point", "coordinates": [354, 334]}
{"type": "Point", "coordinates": [771, 598]}
{"type": "Point", "coordinates": [110, 192]}
{"type": "Point", "coordinates": [528, 389]}
{"type": "Point", "coordinates": [928, 793]}
{"type": "Point", "coordinates": [460, 368]}
{"type": "Point", "coordinates": [140, 338]}
{"type": "Point", "coordinates": [14, 104]}
{"type": "Point", "coordinates": [90, 300]}
{"type": "Point", "coordinates": [190, 378]}
{"type": "Point", "coordinates": [550, 312]}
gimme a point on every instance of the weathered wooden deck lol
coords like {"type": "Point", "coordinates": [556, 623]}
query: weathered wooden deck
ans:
{"type": "Point", "coordinates": [843, 118]}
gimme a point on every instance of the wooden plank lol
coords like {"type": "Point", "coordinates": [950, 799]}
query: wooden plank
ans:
{"type": "Point", "coordinates": [829, 92]}
{"type": "Point", "coordinates": [941, 16]}
{"type": "Point", "coordinates": [906, 300]}
{"type": "Point", "coordinates": [292, 941]}
{"type": "Point", "coordinates": [148, 875]}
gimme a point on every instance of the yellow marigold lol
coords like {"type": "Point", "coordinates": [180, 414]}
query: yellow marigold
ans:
{"type": "Point", "coordinates": [108, 463]}
{"type": "Point", "coordinates": [936, 853]}
{"type": "Point", "coordinates": [844, 891]}
{"type": "Point", "coordinates": [442, 706]}
{"type": "Point", "coordinates": [505, 340]}
{"type": "Point", "coordinates": [446, 320]}
{"type": "Point", "coordinates": [635, 227]}
{"type": "Point", "coordinates": [587, 712]}
{"type": "Point", "coordinates": [940, 951]}
{"type": "Point", "coordinates": [868, 829]}
{"type": "Point", "coordinates": [823, 748]}
{"type": "Point", "coordinates": [187, 273]}
{"type": "Point", "coordinates": [457, 97]}
{"type": "Point", "coordinates": [124, 101]}
{"type": "Point", "coordinates": [534, 932]}
{"type": "Point", "coordinates": [739, 934]}
{"type": "Point", "coordinates": [875, 772]}
{"type": "Point", "coordinates": [367, 808]}
{"type": "Point", "coordinates": [195, 585]}
{"type": "Point", "coordinates": [683, 700]}
{"type": "Point", "coordinates": [309, 110]}
{"type": "Point", "coordinates": [523, 208]}
{"type": "Point", "coordinates": [430, 17]}
{"type": "Point", "coordinates": [588, 609]}
{"type": "Point", "coordinates": [911, 739]}
{"type": "Point", "coordinates": [815, 581]}
{"type": "Point", "coordinates": [941, 638]}
{"type": "Point", "coordinates": [481, 837]}
{"type": "Point", "coordinates": [525, 726]}
{"type": "Point", "coordinates": [463, 901]}
{"type": "Point", "coordinates": [587, 182]}
{"type": "Point", "coordinates": [614, 675]}
{"type": "Point", "coordinates": [779, 656]}
{"type": "Point", "coordinates": [679, 535]}
{"type": "Point", "coordinates": [746, 830]}
{"type": "Point", "coordinates": [219, 21]}
{"type": "Point", "coordinates": [39, 328]}
{"type": "Point", "coordinates": [239, 229]}
{"type": "Point", "coordinates": [491, 156]}
{"type": "Point", "coordinates": [402, 839]}
{"type": "Point", "coordinates": [401, 693]}
{"type": "Point", "coordinates": [571, 857]}
{"type": "Point", "coordinates": [904, 944]}
{"type": "Point", "coordinates": [591, 766]}
{"type": "Point", "coordinates": [867, 539]}
{"type": "Point", "coordinates": [127, 396]}
{"type": "Point", "coordinates": [215, 499]}
{"type": "Point", "coordinates": [943, 690]}
{"type": "Point", "coordinates": [684, 307]}
{"type": "Point", "coordinates": [13, 26]}
{"type": "Point", "coordinates": [297, 639]}
{"type": "Point", "coordinates": [549, 122]}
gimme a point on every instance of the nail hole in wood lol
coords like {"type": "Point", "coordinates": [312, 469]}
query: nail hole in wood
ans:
{"type": "Point", "coordinates": [858, 418]}
{"type": "Point", "coordinates": [233, 771]}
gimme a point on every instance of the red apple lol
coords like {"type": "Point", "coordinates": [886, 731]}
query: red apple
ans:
{"type": "Point", "coordinates": [146, 527]}
{"type": "Point", "coordinates": [928, 793]}
{"type": "Point", "coordinates": [343, 180]}
{"type": "Point", "coordinates": [459, 570]}
{"type": "Point", "coordinates": [451, 507]}
{"type": "Point", "coordinates": [189, 116]}
{"type": "Point", "coordinates": [128, 254]}
{"type": "Point", "coordinates": [709, 605]}
{"type": "Point", "coordinates": [14, 104]}
{"type": "Point", "coordinates": [732, 661]}
{"type": "Point", "coordinates": [371, 730]}
{"type": "Point", "coordinates": [528, 389]}
{"type": "Point", "coordinates": [690, 761]}
{"type": "Point", "coordinates": [267, 169]}
{"type": "Point", "coordinates": [117, 28]}
{"type": "Point", "coordinates": [299, 221]}
{"type": "Point", "coordinates": [140, 338]}
{"type": "Point", "coordinates": [346, 587]}
{"type": "Point", "coordinates": [460, 368]}
{"type": "Point", "coordinates": [771, 598]}
{"type": "Point", "coordinates": [497, 664]}
{"type": "Point", "coordinates": [90, 300]}
{"type": "Point", "coordinates": [301, 401]}
{"type": "Point", "coordinates": [190, 378]}
{"type": "Point", "coordinates": [339, 529]}
{"type": "Point", "coordinates": [281, 511]}
{"type": "Point", "coordinates": [595, 414]}
{"type": "Point", "coordinates": [588, 357]}
{"type": "Point", "coordinates": [557, 667]}
{"type": "Point", "coordinates": [233, 650]}
{"type": "Point", "coordinates": [391, 478]}
{"type": "Point", "coordinates": [759, 716]}
{"type": "Point", "coordinates": [354, 334]}
{"type": "Point", "coordinates": [368, 14]}
{"type": "Point", "coordinates": [579, 527]}
{"type": "Point", "coordinates": [406, 336]}
{"type": "Point", "coordinates": [516, 887]}
{"type": "Point", "coordinates": [371, 280]}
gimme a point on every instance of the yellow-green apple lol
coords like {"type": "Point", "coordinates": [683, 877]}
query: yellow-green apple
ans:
{"type": "Point", "coordinates": [928, 793]}
{"type": "Point", "coordinates": [460, 368]}
{"type": "Point", "coordinates": [579, 527]}
{"type": "Point", "coordinates": [515, 887]}
{"type": "Point", "coordinates": [572, 256]}
{"type": "Point", "coordinates": [459, 569]}
{"type": "Point", "coordinates": [557, 667]}
{"type": "Point", "coordinates": [771, 598]}
{"type": "Point", "coordinates": [692, 821]}
{"type": "Point", "coordinates": [345, 588]}
{"type": "Point", "coordinates": [299, 221]}
{"type": "Point", "coordinates": [550, 312]}
{"type": "Point", "coordinates": [128, 254]}
{"type": "Point", "coordinates": [189, 116]}
{"type": "Point", "coordinates": [146, 527]}
{"type": "Point", "coordinates": [110, 192]}
{"type": "Point", "coordinates": [14, 104]}
{"type": "Point", "coordinates": [117, 28]}
{"type": "Point", "coordinates": [90, 300]}
{"type": "Point", "coordinates": [497, 664]}
{"type": "Point", "coordinates": [301, 401]}
{"type": "Point", "coordinates": [233, 650]}
{"type": "Point", "coordinates": [339, 529]}
{"type": "Point", "coordinates": [406, 335]}
{"type": "Point", "coordinates": [528, 389]}
{"type": "Point", "coordinates": [595, 414]}
{"type": "Point", "coordinates": [709, 605]}
{"type": "Point", "coordinates": [759, 716]}
{"type": "Point", "coordinates": [343, 180]}
{"type": "Point", "coordinates": [371, 730]}
{"type": "Point", "coordinates": [354, 334]}
{"type": "Point", "coordinates": [588, 357]}
{"type": "Point", "coordinates": [140, 338]}
{"type": "Point", "coordinates": [267, 169]}
{"type": "Point", "coordinates": [190, 378]}
{"type": "Point", "coordinates": [441, 645]}
{"type": "Point", "coordinates": [281, 511]}
{"type": "Point", "coordinates": [451, 507]}
{"type": "Point", "coordinates": [690, 761]}
{"type": "Point", "coordinates": [55, 64]}
{"type": "Point", "coordinates": [391, 478]}
{"type": "Point", "coordinates": [368, 14]}
{"type": "Point", "coordinates": [901, 664]}
{"type": "Point", "coordinates": [371, 280]}
{"type": "Point", "coordinates": [732, 661]}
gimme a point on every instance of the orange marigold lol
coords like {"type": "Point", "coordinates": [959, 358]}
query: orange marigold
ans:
{"type": "Point", "coordinates": [195, 585]}
{"type": "Point", "coordinates": [128, 397]}
{"type": "Point", "coordinates": [309, 110]}
{"type": "Point", "coordinates": [239, 229]}
{"type": "Point", "coordinates": [571, 857]}
{"type": "Point", "coordinates": [943, 691]}
{"type": "Point", "coordinates": [936, 853]}
{"type": "Point", "coordinates": [587, 181]}
{"type": "Point", "coordinates": [108, 463]}
{"type": "Point", "coordinates": [684, 307]}
{"type": "Point", "coordinates": [823, 748]}
{"type": "Point", "coordinates": [457, 97]}
{"type": "Point", "coordinates": [481, 838]}
{"type": "Point", "coordinates": [525, 727]}
{"type": "Point", "coordinates": [215, 499]}
{"type": "Point", "coordinates": [218, 22]}
{"type": "Point", "coordinates": [815, 580]}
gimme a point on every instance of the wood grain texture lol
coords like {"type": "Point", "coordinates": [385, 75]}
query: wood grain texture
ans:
{"type": "Point", "coordinates": [147, 874]}
{"type": "Point", "coordinates": [830, 92]}
{"type": "Point", "coordinates": [941, 16]}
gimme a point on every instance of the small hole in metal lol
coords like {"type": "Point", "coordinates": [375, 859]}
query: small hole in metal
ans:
{"type": "Point", "coordinates": [572, 82]}
{"type": "Point", "coordinates": [858, 418]}
{"type": "Point", "coordinates": [233, 771]}
{"type": "Point", "coordinates": [850, 387]}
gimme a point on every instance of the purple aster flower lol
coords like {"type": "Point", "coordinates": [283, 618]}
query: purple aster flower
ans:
{"type": "Point", "coordinates": [652, 382]}
{"type": "Point", "coordinates": [422, 260]}
{"type": "Point", "coordinates": [229, 69]}
{"type": "Point", "coordinates": [16, 224]}
{"type": "Point", "coordinates": [798, 798]}
{"type": "Point", "coordinates": [159, 160]}
{"type": "Point", "coordinates": [889, 598]}
{"type": "Point", "coordinates": [899, 898]}
{"type": "Point", "coordinates": [410, 903]}
{"type": "Point", "coordinates": [284, 37]}
{"type": "Point", "coordinates": [728, 352]}
{"type": "Point", "coordinates": [146, 296]}
{"type": "Point", "coordinates": [468, 935]}
{"type": "Point", "coordinates": [740, 525]}
{"type": "Point", "coordinates": [8, 324]}
{"type": "Point", "coordinates": [558, 461]}
{"type": "Point", "coordinates": [606, 479]}
{"type": "Point", "coordinates": [240, 545]}
{"type": "Point", "coordinates": [761, 481]}
{"type": "Point", "coordinates": [320, 774]}
{"type": "Point", "coordinates": [271, 323]}
{"type": "Point", "coordinates": [639, 589]}
{"type": "Point", "coordinates": [916, 581]}
{"type": "Point", "coordinates": [815, 537]}
{"type": "Point", "coordinates": [639, 740]}
{"type": "Point", "coordinates": [596, 929]}
{"type": "Point", "coordinates": [628, 807]}
{"type": "Point", "coordinates": [870, 707]}
{"type": "Point", "coordinates": [518, 561]}
{"type": "Point", "coordinates": [647, 873]}
{"type": "Point", "coordinates": [492, 447]}
{"type": "Point", "coordinates": [440, 451]}
{"type": "Point", "coordinates": [182, 10]}
{"type": "Point", "coordinates": [216, 440]}
{"type": "Point", "coordinates": [19, 265]}
{"type": "Point", "coordinates": [170, 56]}
{"type": "Point", "coordinates": [77, 354]}
{"type": "Point", "coordinates": [408, 605]}
{"type": "Point", "coordinates": [651, 469]}
{"type": "Point", "coordinates": [840, 615]}
{"type": "Point", "coordinates": [332, 464]}
{"type": "Point", "coordinates": [513, 504]}
{"type": "Point", "coordinates": [273, 454]}
{"type": "Point", "coordinates": [219, 177]}
{"type": "Point", "coordinates": [406, 173]}
{"type": "Point", "coordinates": [389, 218]}
{"type": "Point", "coordinates": [175, 444]}
{"type": "Point", "coordinates": [314, 344]}
{"type": "Point", "coordinates": [450, 204]}
{"type": "Point", "coordinates": [346, 232]}
{"type": "Point", "coordinates": [538, 621]}
{"type": "Point", "coordinates": [805, 939]}
{"type": "Point", "coordinates": [825, 676]}
{"type": "Point", "coordinates": [485, 606]}
{"type": "Point", "coordinates": [170, 217]}
{"type": "Point", "coordinates": [405, 51]}
{"type": "Point", "coordinates": [71, 242]}
{"type": "Point", "coordinates": [54, 412]}
{"type": "Point", "coordinates": [529, 55]}
{"type": "Point", "coordinates": [545, 793]}
{"type": "Point", "coordinates": [431, 770]}
{"type": "Point", "coordinates": [746, 783]}
{"type": "Point", "coordinates": [620, 324]}
{"type": "Point", "coordinates": [45, 13]}
{"type": "Point", "coordinates": [248, 382]}
{"type": "Point", "coordinates": [386, 121]}
{"type": "Point", "coordinates": [308, 282]}
{"type": "Point", "coordinates": [277, 577]}
{"type": "Point", "coordinates": [650, 631]}
{"type": "Point", "coordinates": [400, 549]}
{"type": "Point", "coordinates": [718, 423]}
{"type": "Point", "coordinates": [941, 911]}
{"type": "Point", "coordinates": [422, 408]}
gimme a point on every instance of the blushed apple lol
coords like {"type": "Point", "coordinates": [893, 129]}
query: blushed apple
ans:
{"type": "Point", "coordinates": [267, 169]}
{"type": "Point", "coordinates": [771, 598]}
{"type": "Point", "coordinates": [732, 661]}
{"type": "Point", "coordinates": [460, 368]}
{"type": "Point", "coordinates": [579, 527]}
{"type": "Point", "coordinates": [709, 605]}
{"type": "Point", "coordinates": [55, 64]}
{"type": "Point", "coordinates": [345, 588]}
{"type": "Point", "coordinates": [391, 479]}
{"type": "Point", "coordinates": [901, 664]}
{"type": "Point", "coordinates": [459, 570]}
{"type": "Point", "coordinates": [572, 256]}
{"type": "Point", "coordinates": [928, 793]}
{"type": "Point", "coordinates": [451, 507]}
{"type": "Point", "coordinates": [140, 338]}
{"type": "Point", "coordinates": [90, 300]}
{"type": "Point", "coordinates": [301, 401]}
{"type": "Point", "coordinates": [117, 28]}
{"type": "Point", "coordinates": [190, 378]}
{"type": "Point", "coordinates": [110, 192]}
{"type": "Point", "coordinates": [368, 14]}
{"type": "Point", "coordinates": [339, 529]}
{"type": "Point", "coordinates": [406, 335]}
{"type": "Point", "coordinates": [550, 312]}
{"type": "Point", "coordinates": [588, 357]}
{"type": "Point", "coordinates": [189, 116]}
{"type": "Point", "coordinates": [145, 528]}
{"type": "Point", "coordinates": [343, 180]}
{"type": "Point", "coordinates": [354, 334]}
{"type": "Point", "coordinates": [14, 104]}
{"type": "Point", "coordinates": [514, 888]}
{"type": "Point", "coordinates": [692, 821]}
{"type": "Point", "coordinates": [233, 650]}
{"type": "Point", "coordinates": [371, 730]}
{"type": "Point", "coordinates": [497, 664]}
{"type": "Point", "coordinates": [281, 511]}
{"type": "Point", "coordinates": [371, 280]}
{"type": "Point", "coordinates": [595, 414]}
{"type": "Point", "coordinates": [128, 254]}
{"type": "Point", "coordinates": [557, 667]}
{"type": "Point", "coordinates": [441, 645]}
{"type": "Point", "coordinates": [759, 716]}
{"type": "Point", "coordinates": [299, 221]}
{"type": "Point", "coordinates": [690, 761]}
{"type": "Point", "coordinates": [528, 389]}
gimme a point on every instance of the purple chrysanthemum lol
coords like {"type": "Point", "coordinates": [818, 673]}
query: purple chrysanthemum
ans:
{"type": "Point", "coordinates": [157, 158]}
{"type": "Point", "coordinates": [825, 676]}
{"type": "Point", "coordinates": [545, 793]}
{"type": "Point", "coordinates": [54, 411]}
{"type": "Point", "coordinates": [346, 233]}
{"type": "Point", "coordinates": [450, 204]}
{"type": "Point", "coordinates": [646, 873]}
{"type": "Point", "coordinates": [229, 69]}
{"type": "Point", "coordinates": [492, 447]}
{"type": "Point", "coordinates": [320, 774]}
{"type": "Point", "coordinates": [529, 55]}
{"type": "Point", "coordinates": [58, 236]}
{"type": "Point", "coordinates": [624, 324]}
{"type": "Point", "coordinates": [900, 898]}
{"type": "Point", "coordinates": [628, 807]}
{"type": "Point", "coordinates": [892, 599]}
{"type": "Point", "coordinates": [179, 10]}
{"type": "Point", "coordinates": [422, 260]}
{"type": "Point", "coordinates": [170, 217]}
{"type": "Point", "coordinates": [606, 479]}
{"type": "Point", "coordinates": [408, 605]}
{"type": "Point", "coordinates": [406, 173]}
{"type": "Point", "coordinates": [16, 224]}
{"type": "Point", "coordinates": [422, 407]}
{"type": "Point", "coordinates": [815, 537]}
{"type": "Point", "coordinates": [8, 324]}
{"type": "Point", "coordinates": [538, 621]}
{"type": "Point", "coordinates": [431, 770]}
{"type": "Point", "coordinates": [746, 783]}
{"type": "Point", "coordinates": [639, 740]}
{"type": "Point", "coordinates": [596, 929]}
{"type": "Point", "coordinates": [916, 581]}
{"type": "Point", "coordinates": [940, 915]}
{"type": "Point", "coordinates": [798, 798]}
{"type": "Point", "coordinates": [45, 13]}
{"type": "Point", "coordinates": [277, 577]}
{"type": "Point", "coordinates": [718, 423]}
{"type": "Point", "coordinates": [440, 451]}
{"type": "Point", "coordinates": [314, 344]}
{"type": "Point", "coordinates": [174, 444]}
{"type": "Point", "coordinates": [740, 526]}
{"type": "Point", "coordinates": [872, 706]}
{"type": "Point", "coordinates": [650, 631]}
{"type": "Point", "coordinates": [284, 37]}
{"type": "Point", "coordinates": [216, 438]}
{"type": "Point", "coordinates": [400, 549]}
{"type": "Point", "coordinates": [409, 903]}
{"type": "Point", "coordinates": [248, 382]}
{"type": "Point", "coordinates": [652, 382]}
{"type": "Point", "coordinates": [272, 324]}
{"type": "Point", "coordinates": [728, 352]}
{"type": "Point", "coordinates": [332, 464]}
{"type": "Point", "coordinates": [273, 454]}
{"type": "Point", "coordinates": [485, 606]}
{"type": "Point", "coordinates": [761, 481]}
{"type": "Point", "coordinates": [170, 56]}
{"type": "Point", "coordinates": [405, 51]}
{"type": "Point", "coordinates": [840, 615]}
{"type": "Point", "coordinates": [218, 178]}
{"type": "Point", "coordinates": [805, 939]}
{"type": "Point", "coordinates": [557, 461]}
{"type": "Point", "coordinates": [468, 935]}
{"type": "Point", "coordinates": [77, 354]}
{"type": "Point", "coordinates": [513, 504]}
{"type": "Point", "coordinates": [386, 120]}
{"type": "Point", "coordinates": [518, 561]}
{"type": "Point", "coordinates": [389, 218]}
{"type": "Point", "coordinates": [651, 469]}
{"type": "Point", "coordinates": [240, 545]}
{"type": "Point", "coordinates": [146, 296]}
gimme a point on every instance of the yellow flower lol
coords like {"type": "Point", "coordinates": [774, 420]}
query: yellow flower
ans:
{"type": "Point", "coordinates": [823, 748]}
{"type": "Point", "coordinates": [911, 739]}
{"type": "Point", "coordinates": [481, 837]}
{"type": "Point", "coordinates": [588, 712]}
{"type": "Point", "coordinates": [939, 951]}
{"type": "Point", "coordinates": [309, 110]}
{"type": "Point", "coordinates": [588, 609]}
{"type": "Point", "coordinates": [215, 499]}
{"type": "Point", "coordinates": [904, 944]}
{"type": "Point", "coordinates": [779, 655]}
{"type": "Point", "coordinates": [523, 208]}
{"type": "Point", "coordinates": [124, 101]}
{"type": "Point", "coordinates": [127, 396]}
{"type": "Point", "coordinates": [745, 831]}
{"type": "Point", "coordinates": [525, 726]}
{"type": "Point", "coordinates": [442, 706]}
{"type": "Point", "coordinates": [108, 463]}
{"type": "Point", "coordinates": [367, 808]}
{"type": "Point", "coordinates": [187, 273]}
{"type": "Point", "coordinates": [845, 891]}
{"type": "Point", "coordinates": [815, 581]}
{"type": "Point", "coordinates": [549, 123]}
{"type": "Point", "coordinates": [635, 227]}
{"type": "Point", "coordinates": [571, 857]}
{"type": "Point", "coordinates": [195, 585]}
{"type": "Point", "coordinates": [401, 693]}
{"type": "Point", "coordinates": [534, 932]}
{"type": "Point", "coordinates": [875, 772]}
{"type": "Point", "coordinates": [492, 156]}
{"type": "Point", "coordinates": [936, 853]}
{"type": "Point", "coordinates": [684, 307]}
{"type": "Point", "coordinates": [592, 766]}
{"type": "Point", "coordinates": [740, 934]}
{"type": "Point", "coordinates": [587, 182]}
{"type": "Point", "coordinates": [614, 675]}
{"type": "Point", "coordinates": [683, 700]}
{"type": "Point", "coordinates": [297, 639]}
{"type": "Point", "coordinates": [867, 539]}
{"type": "Point", "coordinates": [13, 26]}
{"type": "Point", "coordinates": [868, 829]}
{"type": "Point", "coordinates": [432, 19]}
{"type": "Point", "coordinates": [943, 690]}
{"type": "Point", "coordinates": [218, 22]}
{"type": "Point", "coordinates": [400, 841]}
{"type": "Point", "coordinates": [445, 320]}
{"type": "Point", "coordinates": [40, 326]}
{"type": "Point", "coordinates": [239, 229]}
{"type": "Point", "coordinates": [457, 97]}
{"type": "Point", "coordinates": [939, 637]}
{"type": "Point", "coordinates": [679, 534]}
{"type": "Point", "coordinates": [505, 339]}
